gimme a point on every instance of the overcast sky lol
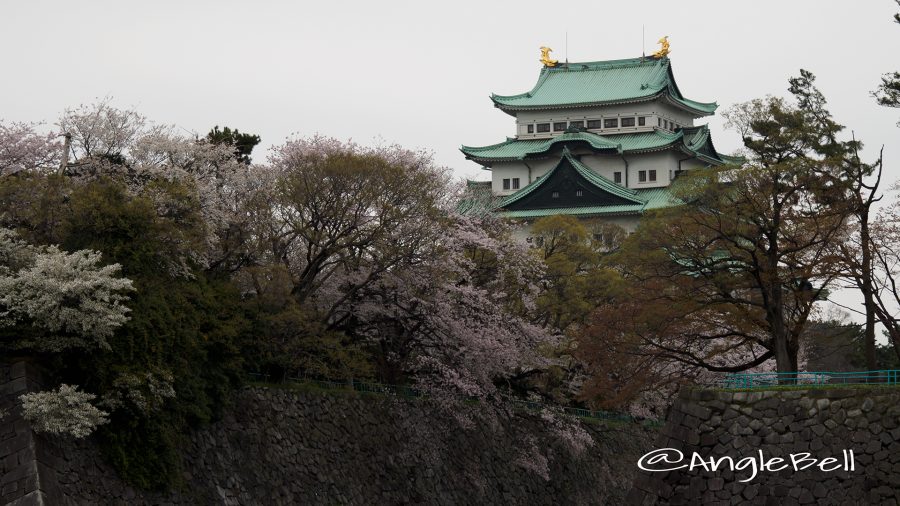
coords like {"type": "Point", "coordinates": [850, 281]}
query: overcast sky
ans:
{"type": "Point", "coordinates": [419, 73]}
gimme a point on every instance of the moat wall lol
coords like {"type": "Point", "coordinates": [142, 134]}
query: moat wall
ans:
{"type": "Point", "coordinates": [301, 447]}
{"type": "Point", "coordinates": [821, 422]}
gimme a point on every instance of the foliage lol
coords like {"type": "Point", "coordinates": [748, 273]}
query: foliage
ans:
{"type": "Point", "coordinates": [888, 92]}
{"type": "Point", "coordinates": [242, 144]}
{"type": "Point", "coordinates": [882, 244]}
{"type": "Point", "coordinates": [52, 301]}
{"type": "Point", "coordinates": [728, 280]}
{"type": "Point", "coordinates": [339, 207]}
{"type": "Point", "coordinates": [836, 345]}
{"type": "Point", "coordinates": [183, 338]}
{"type": "Point", "coordinates": [450, 322]}
{"type": "Point", "coordinates": [575, 280]}
{"type": "Point", "coordinates": [365, 258]}
{"type": "Point", "coordinates": [65, 411]}
{"type": "Point", "coordinates": [290, 338]}
{"type": "Point", "coordinates": [23, 148]}
{"type": "Point", "coordinates": [56, 300]}
{"type": "Point", "coordinates": [151, 160]}
{"type": "Point", "coordinates": [860, 183]}
{"type": "Point", "coordinates": [331, 260]}
{"type": "Point", "coordinates": [885, 243]}
{"type": "Point", "coordinates": [172, 364]}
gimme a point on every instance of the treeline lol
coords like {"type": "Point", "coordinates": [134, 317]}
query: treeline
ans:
{"type": "Point", "coordinates": [148, 272]}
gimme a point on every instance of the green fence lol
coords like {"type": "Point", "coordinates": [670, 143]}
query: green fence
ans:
{"type": "Point", "coordinates": [411, 392]}
{"type": "Point", "coordinates": [810, 379]}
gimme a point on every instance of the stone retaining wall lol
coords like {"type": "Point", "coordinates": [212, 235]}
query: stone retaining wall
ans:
{"type": "Point", "coordinates": [821, 422]}
{"type": "Point", "coordinates": [24, 478]}
{"type": "Point", "coordinates": [298, 447]}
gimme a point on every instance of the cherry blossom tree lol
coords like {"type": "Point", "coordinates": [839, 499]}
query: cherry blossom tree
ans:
{"type": "Point", "coordinates": [123, 144]}
{"type": "Point", "coordinates": [51, 300]}
{"type": "Point", "coordinates": [64, 411]}
{"type": "Point", "coordinates": [54, 302]}
{"type": "Point", "coordinates": [23, 147]}
{"type": "Point", "coordinates": [369, 240]}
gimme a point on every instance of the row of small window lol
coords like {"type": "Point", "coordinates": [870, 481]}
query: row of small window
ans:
{"type": "Point", "coordinates": [596, 123]}
{"type": "Point", "coordinates": [511, 184]}
{"type": "Point", "coordinates": [591, 123]}
{"type": "Point", "coordinates": [644, 176]}
{"type": "Point", "coordinates": [578, 193]}
{"type": "Point", "coordinates": [668, 125]}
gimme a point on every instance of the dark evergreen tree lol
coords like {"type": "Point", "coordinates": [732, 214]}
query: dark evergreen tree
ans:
{"type": "Point", "coordinates": [888, 92]}
{"type": "Point", "coordinates": [243, 143]}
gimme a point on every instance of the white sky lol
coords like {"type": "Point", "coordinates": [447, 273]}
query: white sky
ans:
{"type": "Point", "coordinates": [419, 73]}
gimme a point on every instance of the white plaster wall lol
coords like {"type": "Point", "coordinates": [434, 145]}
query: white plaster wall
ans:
{"type": "Point", "coordinates": [508, 170]}
{"type": "Point", "coordinates": [542, 166]}
{"type": "Point", "coordinates": [651, 110]}
{"type": "Point", "coordinates": [661, 161]}
{"type": "Point", "coordinates": [605, 165]}
{"type": "Point", "coordinates": [664, 162]}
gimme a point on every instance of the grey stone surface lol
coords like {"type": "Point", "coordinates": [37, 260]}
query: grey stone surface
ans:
{"type": "Point", "coordinates": [280, 447]}
{"type": "Point", "coordinates": [822, 422]}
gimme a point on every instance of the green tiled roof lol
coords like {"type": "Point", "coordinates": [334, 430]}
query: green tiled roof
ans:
{"type": "Point", "coordinates": [514, 149]}
{"type": "Point", "coordinates": [655, 198]}
{"type": "Point", "coordinates": [585, 172]}
{"type": "Point", "coordinates": [481, 201]}
{"type": "Point", "coordinates": [693, 140]}
{"type": "Point", "coordinates": [602, 82]}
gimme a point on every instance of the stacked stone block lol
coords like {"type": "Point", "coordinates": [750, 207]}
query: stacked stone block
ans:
{"type": "Point", "coordinates": [25, 478]}
{"type": "Point", "coordinates": [821, 422]}
{"type": "Point", "coordinates": [285, 447]}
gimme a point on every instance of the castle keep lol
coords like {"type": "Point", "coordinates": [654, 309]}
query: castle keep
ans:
{"type": "Point", "coordinates": [601, 139]}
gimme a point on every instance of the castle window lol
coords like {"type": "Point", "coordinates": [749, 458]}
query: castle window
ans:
{"type": "Point", "coordinates": [543, 127]}
{"type": "Point", "coordinates": [555, 195]}
{"type": "Point", "coordinates": [515, 183]}
{"type": "Point", "coordinates": [559, 127]}
{"type": "Point", "coordinates": [611, 123]}
{"type": "Point", "coordinates": [659, 122]}
{"type": "Point", "coordinates": [579, 124]}
{"type": "Point", "coordinates": [594, 123]}
{"type": "Point", "coordinates": [653, 175]}
{"type": "Point", "coordinates": [579, 193]}
{"type": "Point", "coordinates": [642, 121]}
{"type": "Point", "coordinates": [617, 177]}
{"type": "Point", "coordinates": [642, 176]}
{"type": "Point", "coordinates": [627, 122]}
{"type": "Point", "coordinates": [506, 184]}
{"type": "Point", "coordinates": [531, 129]}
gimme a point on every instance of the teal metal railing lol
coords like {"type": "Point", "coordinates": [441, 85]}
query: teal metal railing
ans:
{"type": "Point", "coordinates": [411, 392]}
{"type": "Point", "coordinates": [810, 379]}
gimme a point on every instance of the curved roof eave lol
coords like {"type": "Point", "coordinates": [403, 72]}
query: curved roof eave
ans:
{"type": "Point", "coordinates": [699, 109]}
{"type": "Point", "coordinates": [635, 100]}
{"type": "Point", "coordinates": [585, 172]}
{"type": "Point", "coordinates": [597, 142]}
